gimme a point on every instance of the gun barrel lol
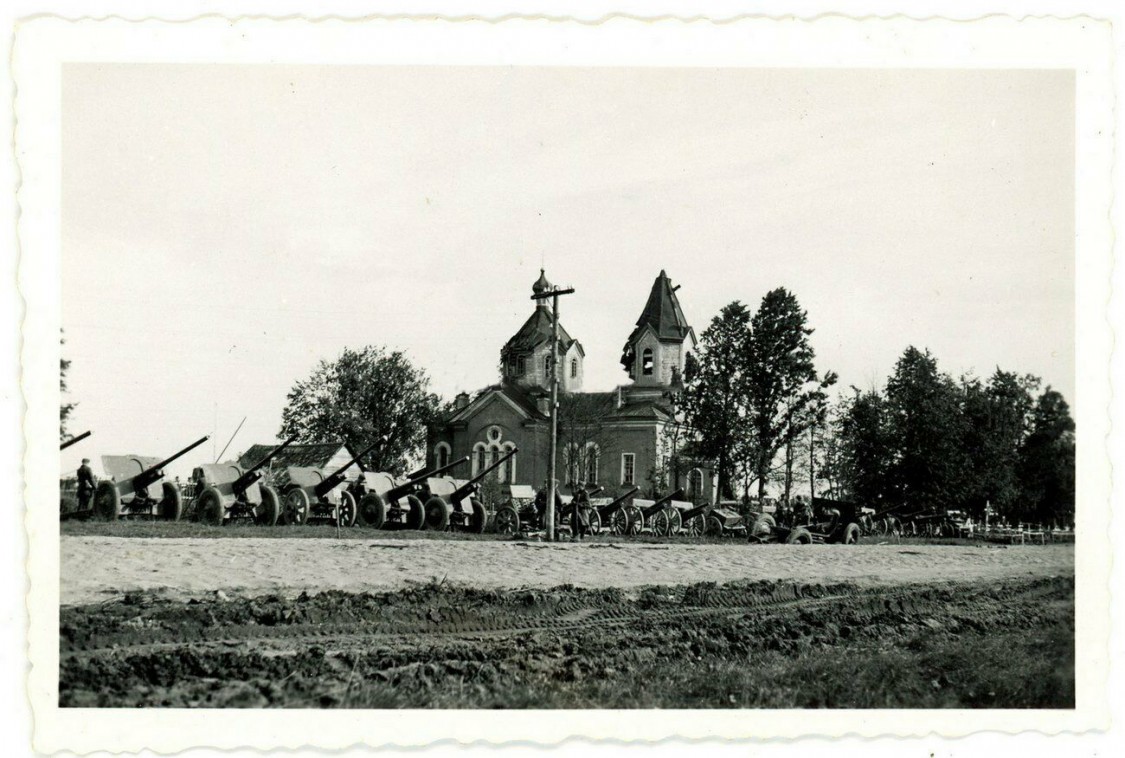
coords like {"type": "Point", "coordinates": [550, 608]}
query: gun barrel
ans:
{"type": "Point", "coordinates": [181, 453]}
{"type": "Point", "coordinates": [610, 508]}
{"type": "Point", "coordinates": [662, 502]}
{"type": "Point", "coordinates": [250, 475]}
{"type": "Point", "coordinates": [272, 454]}
{"type": "Point", "coordinates": [329, 482]}
{"type": "Point", "coordinates": [74, 440]}
{"type": "Point", "coordinates": [154, 471]}
{"type": "Point", "coordinates": [338, 472]}
{"type": "Point", "coordinates": [417, 477]}
{"type": "Point", "coordinates": [464, 489]}
{"type": "Point", "coordinates": [693, 512]}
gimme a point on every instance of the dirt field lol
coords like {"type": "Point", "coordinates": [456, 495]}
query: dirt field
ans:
{"type": "Point", "coordinates": [99, 568]}
{"type": "Point", "coordinates": [746, 644]}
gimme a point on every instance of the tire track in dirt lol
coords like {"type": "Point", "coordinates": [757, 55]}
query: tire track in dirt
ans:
{"type": "Point", "coordinates": [866, 604]}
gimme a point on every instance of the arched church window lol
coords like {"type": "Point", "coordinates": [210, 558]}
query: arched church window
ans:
{"type": "Point", "coordinates": [647, 362]}
{"type": "Point", "coordinates": [571, 461]}
{"type": "Point", "coordinates": [573, 368]}
{"type": "Point", "coordinates": [480, 459]}
{"type": "Point", "coordinates": [592, 464]}
{"type": "Point", "coordinates": [508, 470]}
{"type": "Point", "coordinates": [441, 454]}
{"type": "Point", "coordinates": [695, 484]}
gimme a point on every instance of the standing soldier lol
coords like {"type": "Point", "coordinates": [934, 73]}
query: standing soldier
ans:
{"type": "Point", "coordinates": [580, 513]}
{"type": "Point", "coordinates": [86, 484]}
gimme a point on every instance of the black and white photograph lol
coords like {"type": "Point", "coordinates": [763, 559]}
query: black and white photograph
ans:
{"type": "Point", "coordinates": [455, 386]}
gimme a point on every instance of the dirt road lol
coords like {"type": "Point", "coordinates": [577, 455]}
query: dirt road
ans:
{"type": "Point", "coordinates": [96, 568]}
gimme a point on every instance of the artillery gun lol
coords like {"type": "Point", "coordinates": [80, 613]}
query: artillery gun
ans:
{"type": "Point", "coordinates": [313, 495]}
{"type": "Point", "coordinates": [656, 516]}
{"type": "Point", "coordinates": [231, 493]}
{"type": "Point", "coordinates": [520, 509]}
{"type": "Point", "coordinates": [74, 440]}
{"type": "Point", "coordinates": [130, 490]}
{"type": "Point", "coordinates": [836, 522]}
{"type": "Point", "coordinates": [725, 518]}
{"type": "Point", "coordinates": [453, 503]}
{"type": "Point", "coordinates": [613, 515]}
{"type": "Point", "coordinates": [693, 518]}
{"type": "Point", "coordinates": [385, 501]}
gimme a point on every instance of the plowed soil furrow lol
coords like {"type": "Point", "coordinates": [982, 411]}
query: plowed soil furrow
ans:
{"type": "Point", "coordinates": [568, 616]}
{"type": "Point", "coordinates": [580, 618]}
{"type": "Point", "coordinates": [704, 645]}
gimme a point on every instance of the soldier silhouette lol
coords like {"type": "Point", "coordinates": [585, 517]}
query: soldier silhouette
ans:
{"type": "Point", "coordinates": [580, 513]}
{"type": "Point", "coordinates": [86, 484]}
{"type": "Point", "coordinates": [541, 505]}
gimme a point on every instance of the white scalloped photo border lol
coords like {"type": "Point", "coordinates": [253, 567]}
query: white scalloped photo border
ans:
{"type": "Point", "coordinates": [44, 45]}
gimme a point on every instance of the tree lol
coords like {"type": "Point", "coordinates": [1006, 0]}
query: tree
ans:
{"type": "Point", "coordinates": [583, 436]}
{"type": "Point", "coordinates": [783, 389]}
{"type": "Point", "coordinates": [360, 397]}
{"type": "Point", "coordinates": [1046, 463]}
{"type": "Point", "coordinates": [714, 398]}
{"type": "Point", "coordinates": [866, 447]}
{"type": "Point", "coordinates": [65, 409]}
{"type": "Point", "coordinates": [997, 420]}
{"type": "Point", "coordinates": [924, 418]}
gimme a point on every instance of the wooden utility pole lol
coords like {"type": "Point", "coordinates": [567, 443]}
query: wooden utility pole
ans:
{"type": "Point", "coordinates": [554, 294]}
{"type": "Point", "coordinates": [812, 462]}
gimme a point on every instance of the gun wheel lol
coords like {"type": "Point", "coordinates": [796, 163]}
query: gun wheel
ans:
{"type": "Point", "coordinates": [506, 520]}
{"type": "Point", "coordinates": [660, 525]}
{"type": "Point", "coordinates": [438, 513]}
{"type": "Point", "coordinates": [619, 522]}
{"type": "Point", "coordinates": [295, 509]}
{"type": "Point", "coordinates": [595, 522]}
{"type": "Point", "coordinates": [713, 527]}
{"type": "Point", "coordinates": [636, 520]}
{"type": "Point", "coordinates": [693, 527]}
{"type": "Point", "coordinates": [761, 528]}
{"type": "Point", "coordinates": [346, 510]}
{"type": "Point", "coordinates": [107, 502]}
{"type": "Point", "coordinates": [372, 511]}
{"type": "Point", "coordinates": [799, 536]}
{"type": "Point", "coordinates": [416, 516]}
{"type": "Point", "coordinates": [171, 506]}
{"type": "Point", "coordinates": [268, 511]}
{"type": "Point", "coordinates": [209, 506]}
{"type": "Point", "coordinates": [479, 521]}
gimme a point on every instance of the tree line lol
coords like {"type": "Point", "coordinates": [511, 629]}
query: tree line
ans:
{"type": "Point", "coordinates": [758, 409]}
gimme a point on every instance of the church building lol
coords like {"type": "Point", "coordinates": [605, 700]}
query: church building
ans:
{"type": "Point", "coordinates": [618, 439]}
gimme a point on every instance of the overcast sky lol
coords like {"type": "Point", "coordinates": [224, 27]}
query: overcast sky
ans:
{"type": "Point", "coordinates": [226, 227]}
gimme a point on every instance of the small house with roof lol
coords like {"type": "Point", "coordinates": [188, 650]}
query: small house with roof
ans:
{"type": "Point", "coordinates": [617, 439]}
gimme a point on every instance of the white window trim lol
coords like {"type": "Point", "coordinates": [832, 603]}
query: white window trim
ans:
{"type": "Point", "coordinates": [438, 457]}
{"type": "Point", "coordinates": [591, 477]}
{"type": "Point", "coordinates": [475, 462]}
{"type": "Point", "coordinates": [510, 466]}
{"type": "Point", "coordinates": [691, 490]}
{"type": "Point", "coordinates": [633, 458]}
